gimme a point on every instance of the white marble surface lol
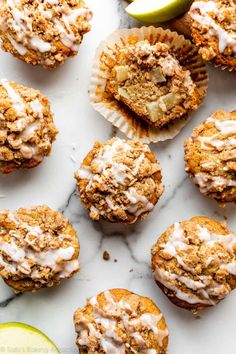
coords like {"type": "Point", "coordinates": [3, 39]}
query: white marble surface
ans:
{"type": "Point", "coordinates": [52, 183]}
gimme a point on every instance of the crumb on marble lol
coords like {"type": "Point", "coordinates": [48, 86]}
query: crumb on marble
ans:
{"type": "Point", "coordinates": [106, 256]}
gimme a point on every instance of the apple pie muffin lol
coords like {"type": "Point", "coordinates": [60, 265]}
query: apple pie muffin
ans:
{"type": "Point", "coordinates": [118, 321]}
{"type": "Point", "coordinates": [214, 32]}
{"type": "Point", "coordinates": [38, 248]}
{"type": "Point", "coordinates": [43, 32]}
{"type": "Point", "coordinates": [27, 130]}
{"type": "Point", "coordinates": [194, 263]}
{"type": "Point", "coordinates": [119, 181]}
{"type": "Point", "coordinates": [210, 155]}
{"type": "Point", "coordinates": [150, 80]}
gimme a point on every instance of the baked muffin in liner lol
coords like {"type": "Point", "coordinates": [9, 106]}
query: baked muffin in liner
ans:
{"type": "Point", "coordinates": [210, 155]}
{"type": "Point", "coordinates": [214, 32]}
{"type": "Point", "coordinates": [118, 113]}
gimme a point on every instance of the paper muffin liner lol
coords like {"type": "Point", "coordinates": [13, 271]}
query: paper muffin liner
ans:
{"type": "Point", "coordinates": [115, 111]}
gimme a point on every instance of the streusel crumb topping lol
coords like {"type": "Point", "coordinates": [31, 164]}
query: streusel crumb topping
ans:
{"type": "Point", "coordinates": [195, 262]}
{"type": "Point", "coordinates": [214, 30]}
{"type": "Point", "coordinates": [119, 181]}
{"type": "Point", "coordinates": [112, 324]}
{"type": "Point", "coordinates": [43, 32]}
{"type": "Point", "coordinates": [210, 155]}
{"type": "Point", "coordinates": [27, 130]}
{"type": "Point", "coordinates": [38, 248]}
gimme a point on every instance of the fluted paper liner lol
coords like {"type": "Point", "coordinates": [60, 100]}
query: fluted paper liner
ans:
{"type": "Point", "coordinates": [115, 111]}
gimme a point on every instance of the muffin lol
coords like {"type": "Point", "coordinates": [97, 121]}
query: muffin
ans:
{"type": "Point", "coordinates": [210, 155]}
{"type": "Point", "coordinates": [146, 81]}
{"type": "Point", "coordinates": [119, 181]}
{"type": "Point", "coordinates": [118, 321]}
{"type": "Point", "coordinates": [43, 32]}
{"type": "Point", "coordinates": [150, 80]}
{"type": "Point", "coordinates": [38, 248]}
{"type": "Point", "coordinates": [194, 263]}
{"type": "Point", "coordinates": [27, 130]}
{"type": "Point", "coordinates": [214, 32]}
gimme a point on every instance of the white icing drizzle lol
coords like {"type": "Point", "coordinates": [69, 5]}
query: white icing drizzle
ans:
{"type": "Point", "coordinates": [94, 210]}
{"type": "Point", "coordinates": [22, 24]}
{"type": "Point", "coordinates": [39, 44]}
{"type": "Point", "coordinates": [15, 98]}
{"type": "Point", "coordinates": [138, 163]}
{"type": "Point", "coordinates": [167, 279]}
{"type": "Point", "coordinates": [37, 107]}
{"type": "Point", "coordinates": [24, 126]}
{"type": "Point", "coordinates": [204, 287]}
{"type": "Point", "coordinates": [70, 17]}
{"type": "Point", "coordinates": [208, 183]}
{"type": "Point", "coordinates": [23, 258]}
{"type": "Point", "coordinates": [108, 339]}
{"type": "Point", "coordinates": [84, 173]}
{"type": "Point", "coordinates": [211, 238]}
{"type": "Point", "coordinates": [200, 12]}
{"type": "Point", "coordinates": [230, 267]}
{"type": "Point", "coordinates": [110, 203]}
{"type": "Point", "coordinates": [135, 200]}
{"type": "Point", "coordinates": [225, 128]}
{"type": "Point", "coordinates": [178, 242]}
{"type": "Point", "coordinates": [19, 47]}
{"type": "Point", "coordinates": [106, 166]}
{"type": "Point", "coordinates": [105, 158]}
{"type": "Point", "coordinates": [209, 143]}
{"type": "Point", "coordinates": [62, 16]}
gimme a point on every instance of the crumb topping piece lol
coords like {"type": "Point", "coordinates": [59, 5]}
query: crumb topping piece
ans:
{"type": "Point", "coordinates": [150, 80]}
{"type": "Point", "coordinates": [52, 29]}
{"type": "Point", "coordinates": [196, 261]}
{"type": "Point", "coordinates": [119, 181]}
{"type": "Point", "coordinates": [26, 127]}
{"type": "Point", "coordinates": [120, 326]}
{"type": "Point", "coordinates": [38, 248]}
{"type": "Point", "coordinates": [210, 155]}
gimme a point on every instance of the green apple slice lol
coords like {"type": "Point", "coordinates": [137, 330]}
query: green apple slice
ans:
{"type": "Point", "coordinates": [19, 338]}
{"type": "Point", "coordinates": [151, 11]}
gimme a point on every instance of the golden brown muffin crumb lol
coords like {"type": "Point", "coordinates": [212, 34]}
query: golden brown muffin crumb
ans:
{"type": "Point", "coordinates": [119, 321]}
{"type": "Point", "coordinates": [150, 80]}
{"type": "Point", "coordinates": [210, 155]}
{"type": "Point", "coordinates": [194, 263]}
{"type": "Point", "coordinates": [106, 256]}
{"type": "Point", "coordinates": [27, 130]}
{"type": "Point", "coordinates": [38, 248]}
{"type": "Point", "coordinates": [214, 32]}
{"type": "Point", "coordinates": [119, 181]}
{"type": "Point", "coordinates": [43, 32]}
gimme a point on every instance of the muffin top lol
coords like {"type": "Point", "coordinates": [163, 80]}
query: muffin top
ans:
{"type": "Point", "coordinates": [118, 321]}
{"type": "Point", "coordinates": [210, 155]}
{"type": "Point", "coordinates": [213, 30]}
{"type": "Point", "coordinates": [43, 32]}
{"type": "Point", "coordinates": [151, 81]}
{"type": "Point", "coordinates": [38, 248]}
{"type": "Point", "coordinates": [26, 127]}
{"type": "Point", "coordinates": [194, 262]}
{"type": "Point", "coordinates": [119, 181]}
